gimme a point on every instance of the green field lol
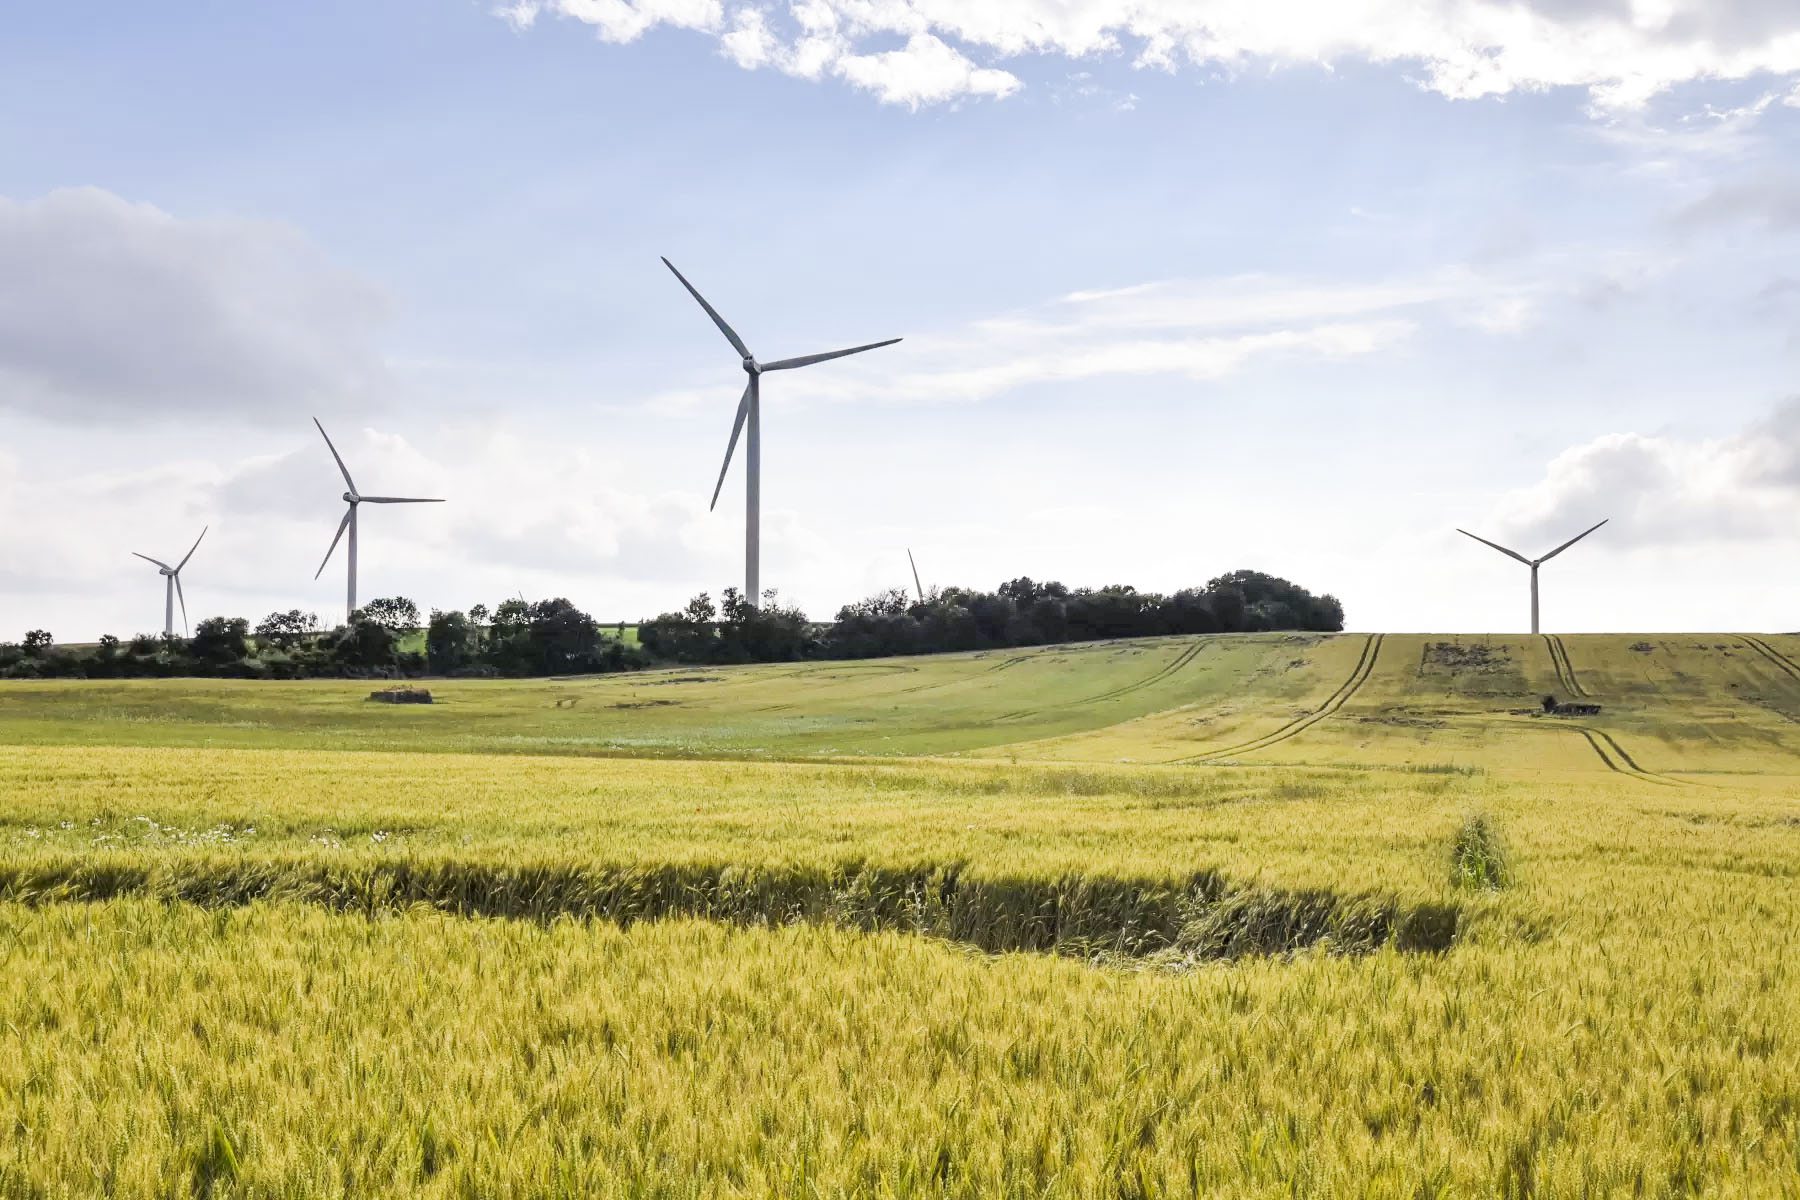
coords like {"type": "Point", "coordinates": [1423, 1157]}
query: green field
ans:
{"type": "Point", "coordinates": [1168, 917]}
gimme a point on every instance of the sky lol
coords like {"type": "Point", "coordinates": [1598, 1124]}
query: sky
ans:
{"type": "Point", "coordinates": [1186, 286]}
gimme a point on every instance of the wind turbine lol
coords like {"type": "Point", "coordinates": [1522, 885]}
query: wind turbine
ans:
{"type": "Point", "coordinates": [1533, 563]}
{"type": "Point", "coordinates": [748, 413]}
{"type": "Point", "coordinates": [354, 498]}
{"type": "Point", "coordinates": [916, 584]}
{"type": "Point", "coordinates": [172, 585]}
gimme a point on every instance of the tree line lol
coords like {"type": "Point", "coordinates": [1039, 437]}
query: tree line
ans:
{"type": "Point", "coordinates": [553, 637]}
{"type": "Point", "coordinates": [1022, 612]}
{"type": "Point", "coordinates": [380, 641]}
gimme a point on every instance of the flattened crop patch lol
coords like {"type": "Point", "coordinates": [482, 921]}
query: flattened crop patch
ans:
{"type": "Point", "coordinates": [1202, 918]}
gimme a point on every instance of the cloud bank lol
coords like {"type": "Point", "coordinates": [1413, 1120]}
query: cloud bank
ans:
{"type": "Point", "coordinates": [1667, 491]}
{"type": "Point", "coordinates": [1622, 52]}
{"type": "Point", "coordinates": [115, 310]}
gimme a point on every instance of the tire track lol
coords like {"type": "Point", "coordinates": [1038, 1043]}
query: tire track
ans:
{"type": "Point", "coordinates": [1181, 660]}
{"type": "Point", "coordinates": [1781, 661]}
{"type": "Point", "coordinates": [1602, 741]}
{"type": "Point", "coordinates": [1359, 675]}
{"type": "Point", "coordinates": [1562, 648]}
{"type": "Point", "coordinates": [1598, 749]}
{"type": "Point", "coordinates": [1565, 670]}
{"type": "Point", "coordinates": [1556, 667]}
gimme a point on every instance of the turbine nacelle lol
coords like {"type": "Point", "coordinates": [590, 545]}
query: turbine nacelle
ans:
{"type": "Point", "coordinates": [751, 366]}
{"type": "Point", "coordinates": [352, 498]}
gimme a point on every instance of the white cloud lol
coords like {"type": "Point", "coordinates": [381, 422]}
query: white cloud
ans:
{"type": "Point", "coordinates": [1509, 314]}
{"type": "Point", "coordinates": [1199, 329]}
{"type": "Point", "coordinates": [1622, 54]}
{"type": "Point", "coordinates": [1663, 491]}
{"type": "Point", "coordinates": [119, 310]}
{"type": "Point", "coordinates": [524, 511]}
{"type": "Point", "coordinates": [926, 72]}
{"type": "Point", "coordinates": [1198, 358]}
{"type": "Point", "coordinates": [1770, 200]}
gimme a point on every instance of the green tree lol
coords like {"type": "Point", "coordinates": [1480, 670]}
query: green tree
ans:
{"type": "Point", "coordinates": [452, 642]}
{"type": "Point", "coordinates": [285, 629]}
{"type": "Point", "coordinates": [563, 638]}
{"type": "Point", "coordinates": [220, 640]}
{"type": "Point", "coordinates": [396, 614]}
{"type": "Point", "coordinates": [365, 644]}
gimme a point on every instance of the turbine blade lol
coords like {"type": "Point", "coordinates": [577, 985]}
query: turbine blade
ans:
{"type": "Point", "coordinates": [159, 562]}
{"type": "Point", "coordinates": [737, 343]}
{"type": "Point", "coordinates": [398, 500]}
{"type": "Point", "coordinates": [192, 548]}
{"type": "Point", "coordinates": [808, 360]}
{"type": "Point", "coordinates": [737, 427]}
{"type": "Point", "coordinates": [915, 569]}
{"type": "Point", "coordinates": [340, 458]}
{"type": "Point", "coordinates": [1570, 542]}
{"type": "Point", "coordinates": [342, 525]}
{"type": "Point", "coordinates": [1497, 546]}
{"type": "Point", "coordinates": [182, 596]}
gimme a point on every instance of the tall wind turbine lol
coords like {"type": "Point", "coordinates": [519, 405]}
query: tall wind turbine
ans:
{"type": "Point", "coordinates": [1533, 563]}
{"type": "Point", "coordinates": [749, 413]}
{"type": "Point", "coordinates": [172, 585]}
{"type": "Point", "coordinates": [354, 498]}
{"type": "Point", "coordinates": [916, 584]}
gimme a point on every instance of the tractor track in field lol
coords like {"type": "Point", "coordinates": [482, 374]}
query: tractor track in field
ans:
{"type": "Point", "coordinates": [1602, 741]}
{"type": "Point", "coordinates": [1565, 670]}
{"type": "Point", "coordinates": [1181, 660]}
{"type": "Point", "coordinates": [1001, 666]}
{"type": "Point", "coordinates": [1781, 661]}
{"type": "Point", "coordinates": [1359, 675]}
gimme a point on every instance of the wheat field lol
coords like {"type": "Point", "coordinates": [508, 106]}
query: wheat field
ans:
{"type": "Point", "coordinates": [1266, 917]}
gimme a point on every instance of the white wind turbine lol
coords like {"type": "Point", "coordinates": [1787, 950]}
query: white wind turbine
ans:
{"type": "Point", "coordinates": [1533, 563]}
{"type": "Point", "coordinates": [749, 413]}
{"type": "Point", "coordinates": [353, 498]}
{"type": "Point", "coordinates": [172, 585]}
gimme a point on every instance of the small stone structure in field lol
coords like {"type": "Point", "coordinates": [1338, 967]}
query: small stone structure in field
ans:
{"type": "Point", "coordinates": [402, 695]}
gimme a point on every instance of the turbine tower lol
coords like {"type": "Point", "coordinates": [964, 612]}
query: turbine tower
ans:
{"type": "Point", "coordinates": [916, 584]}
{"type": "Point", "coordinates": [749, 413]}
{"type": "Point", "coordinates": [172, 585]}
{"type": "Point", "coordinates": [1533, 563]}
{"type": "Point", "coordinates": [352, 498]}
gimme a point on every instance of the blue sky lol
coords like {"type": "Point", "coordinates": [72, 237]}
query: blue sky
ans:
{"type": "Point", "coordinates": [1185, 287]}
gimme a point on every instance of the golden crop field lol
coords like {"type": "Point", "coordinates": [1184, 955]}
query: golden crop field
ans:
{"type": "Point", "coordinates": [1237, 916]}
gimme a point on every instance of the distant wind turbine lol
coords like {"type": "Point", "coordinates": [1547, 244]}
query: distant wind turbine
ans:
{"type": "Point", "coordinates": [916, 583]}
{"type": "Point", "coordinates": [172, 585]}
{"type": "Point", "coordinates": [1533, 563]}
{"type": "Point", "coordinates": [354, 498]}
{"type": "Point", "coordinates": [748, 413]}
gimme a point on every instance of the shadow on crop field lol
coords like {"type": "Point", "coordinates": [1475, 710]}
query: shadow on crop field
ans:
{"type": "Point", "coordinates": [1201, 918]}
